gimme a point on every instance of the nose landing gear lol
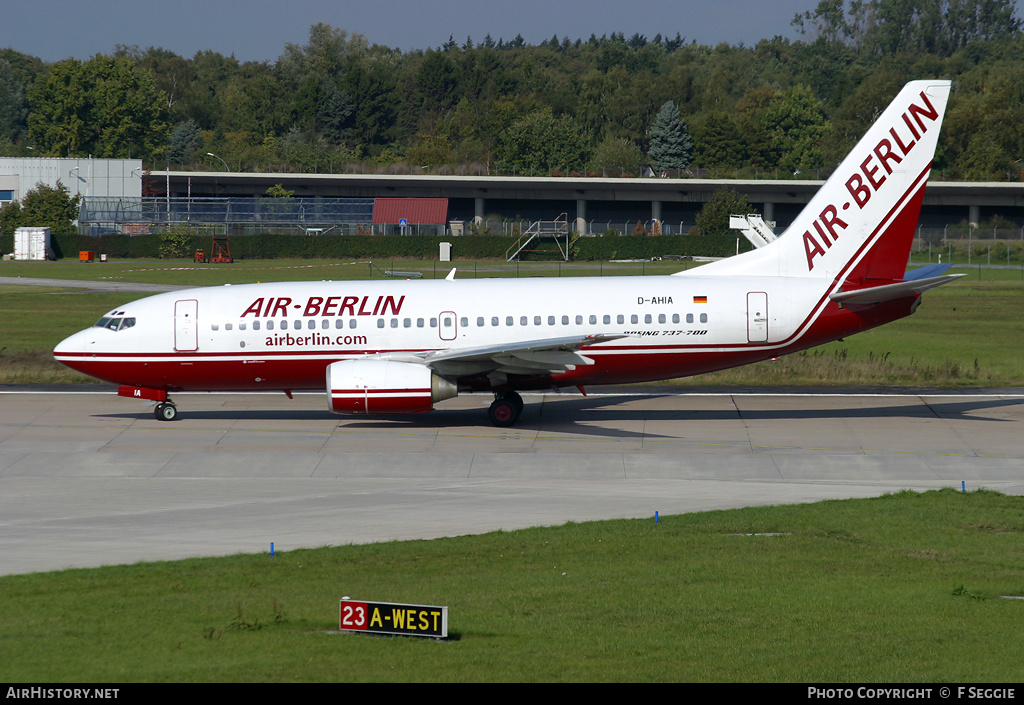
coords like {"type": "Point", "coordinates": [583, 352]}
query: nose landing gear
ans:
{"type": "Point", "coordinates": [165, 411]}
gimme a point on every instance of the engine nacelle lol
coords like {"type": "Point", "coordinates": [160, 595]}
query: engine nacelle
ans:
{"type": "Point", "coordinates": [384, 387]}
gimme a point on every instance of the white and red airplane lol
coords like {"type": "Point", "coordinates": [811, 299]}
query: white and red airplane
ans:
{"type": "Point", "coordinates": [383, 347]}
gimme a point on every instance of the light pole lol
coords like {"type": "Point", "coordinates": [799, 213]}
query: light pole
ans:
{"type": "Point", "coordinates": [211, 154]}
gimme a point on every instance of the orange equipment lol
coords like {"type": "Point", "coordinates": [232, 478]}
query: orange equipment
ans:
{"type": "Point", "coordinates": [220, 250]}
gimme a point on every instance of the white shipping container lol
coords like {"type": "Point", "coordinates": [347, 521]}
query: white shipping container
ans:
{"type": "Point", "coordinates": [32, 243]}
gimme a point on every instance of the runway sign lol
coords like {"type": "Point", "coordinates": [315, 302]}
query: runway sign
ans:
{"type": "Point", "coordinates": [393, 618]}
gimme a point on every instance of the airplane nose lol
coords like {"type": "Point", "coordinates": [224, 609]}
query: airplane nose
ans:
{"type": "Point", "coordinates": [79, 342]}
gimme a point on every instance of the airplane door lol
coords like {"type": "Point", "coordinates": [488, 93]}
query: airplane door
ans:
{"type": "Point", "coordinates": [447, 325]}
{"type": "Point", "coordinates": [757, 317]}
{"type": "Point", "coordinates": [186, 329]}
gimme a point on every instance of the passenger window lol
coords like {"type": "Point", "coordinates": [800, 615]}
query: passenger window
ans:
{"type": "Point", "coordinates": [241, 326]}
{"type": "Point", "coordinates": [620, 318]}
{"type": "Point", "coordinates": [380, 322]}
{"type": "Point", "coordinates": [607, 319]}
{"type": "Point", "coordinates": [494, 320]}
{"type": "Point", "coordinates": [406, 323]}
{"type": "Point", "coordinates": [661, 318]}
{"type": "Point", "coordinates": [464, 322]}
{"type": "Point", "coordinates": [433, 323]}
{"type": "Point", "coordinates": [480, 321]}
{"type": "Point", "coordinates": [339, 323]}
{"type": "Point", "coordinates": [419, 322]}
{"type": "Point", "coordinates": [523, 320]}
{"type": "Point", "coordinates": [213, 326]}
{"type": "Point", "coordinates": [593, 320]}
{"type": "Point", "coordinates": [647, 318]}
{"type": "Point", "coordinates": [227, 326]}
{"type": "Point", "coordinates": [536, 320]}
{"type": "Point", "coordinates": [565, 320]}
{"type": "Point", "coordinates": [311, 324]}
{"type": "Point", "coordinates": [352, 323]}
{"type": "Point", "coordinates": [579, 320]}
{"type": "Point", "coordinates": [689, 318]}
{"type": "Point", "coordinates": [255, 325]}
{"type": "Point", "coordinates": [634, 318]}
{"type": "Point", "coordinates": [551, 320]}
{"type": "Point", "coordinates": [703, 318]}
{"type": "Point", "coordinates": [270, 324]}
{"type": "Point", "coordinates": [394, 323]}
{"type": "Point", "coordinates": [325, 324]}
{"type": "Point", "coordinates": [675, 318]}
{"type": "Point", "coordinates": [508, 321]}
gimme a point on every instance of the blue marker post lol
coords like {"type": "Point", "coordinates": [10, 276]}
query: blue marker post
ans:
{"type": "Point", "coordinates": [963, 486]}
{"type": "Point", "coordinates": [655, 517]}
{"type": "Point", "coordinates": [271, 548]}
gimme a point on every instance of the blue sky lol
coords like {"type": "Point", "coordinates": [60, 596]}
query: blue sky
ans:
{"type": "Point", "coordinates": [257, 30]}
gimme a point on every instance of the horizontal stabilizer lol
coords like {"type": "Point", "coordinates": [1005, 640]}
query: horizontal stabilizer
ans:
{"type": "Point", "coordinates": [930, 270]}
{"type": "Point", "coordinates": [888, 292]}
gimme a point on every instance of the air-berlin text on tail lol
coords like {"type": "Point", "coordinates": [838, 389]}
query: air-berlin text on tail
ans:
{"type": "Point", "coordinates": [325, 306]}
{"type": "Point", "coordinates": [870, 178]}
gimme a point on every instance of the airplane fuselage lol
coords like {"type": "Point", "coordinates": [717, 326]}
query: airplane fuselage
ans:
{"type": "Point", "coordinates": [283, 336]}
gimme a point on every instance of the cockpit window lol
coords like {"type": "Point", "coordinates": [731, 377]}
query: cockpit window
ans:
{"type": "Point", "coordinates": [115, 323]}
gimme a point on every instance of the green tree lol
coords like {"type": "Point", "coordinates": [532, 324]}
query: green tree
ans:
{"type": "Point", "coordinates": [279, 191]}
{"type": "Point", "coordinates": [13, 110]}
{"type": "Point", "coordinates": [186, 140]}
{"type": "Point", "coordinates": [616, 155]}
{"type": "Point", "coordinates": [542, 141]}
{"type": "Point", "coordinates": [43, 207]}
{"type": "Point", "coordinates": [106, 107]}
{"type": "Point", "coordinates": [720, 143]}
{"type": "Point", "coordinates": [713, 218]}
{"type": "Point", "coordinates": [671, 144]}
{"type": "Point", "coordinates": [796, 126]}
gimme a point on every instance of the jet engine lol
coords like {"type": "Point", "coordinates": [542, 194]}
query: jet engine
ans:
{"type": "Point", "coordinates": [384, 387]}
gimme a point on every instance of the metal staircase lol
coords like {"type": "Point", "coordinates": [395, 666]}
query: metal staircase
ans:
{"type": "Point", "coordinates": [557, 230]}
{"type": "Point", "coordinates": [754, 228]}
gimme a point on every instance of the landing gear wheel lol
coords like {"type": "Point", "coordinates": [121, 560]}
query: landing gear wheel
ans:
{"type": "Point", "coordinates": [502, 413]}
{"type": "Point", "coordinates": [505, 409]}
{"type": "Point", "coordinates": [165, 412]}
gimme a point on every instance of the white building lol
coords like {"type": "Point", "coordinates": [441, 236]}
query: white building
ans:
{"type": "Point", "coordinates": [85, 177]}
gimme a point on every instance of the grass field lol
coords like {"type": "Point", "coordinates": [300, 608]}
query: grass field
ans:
{"type": "Point", "coordinates": [901, 588]}
{"type": "Point", "coordinates": [968, 333]}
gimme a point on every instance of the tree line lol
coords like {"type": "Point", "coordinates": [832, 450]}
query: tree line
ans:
{"type": "Point", "coordinates": [607, 105]}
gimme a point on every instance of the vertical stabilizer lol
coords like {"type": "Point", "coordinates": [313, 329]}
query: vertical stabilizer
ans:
{"type": "Point", "coordinates": [859, 226]}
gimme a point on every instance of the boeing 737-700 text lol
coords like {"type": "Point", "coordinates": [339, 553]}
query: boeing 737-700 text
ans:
{"type": "Point", "coordinates": [396, 347]}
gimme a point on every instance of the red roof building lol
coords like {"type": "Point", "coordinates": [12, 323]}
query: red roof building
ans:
{"type": "Point", "coordinates": [414, 211]}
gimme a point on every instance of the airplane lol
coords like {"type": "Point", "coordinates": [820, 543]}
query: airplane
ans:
{"type": "Point", "coordinates": [400, 347]}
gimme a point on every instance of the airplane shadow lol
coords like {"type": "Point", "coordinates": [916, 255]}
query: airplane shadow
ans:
{"type": "Point", "coordinates": [604, 416]}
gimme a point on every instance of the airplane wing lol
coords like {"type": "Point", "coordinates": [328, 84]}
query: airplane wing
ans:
{"type": "Point", "coordinates": [878, 294]}
{"type": "Point", "coordinates": [531, 357]}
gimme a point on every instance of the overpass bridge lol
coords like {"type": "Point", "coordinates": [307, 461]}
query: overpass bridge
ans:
{"type": "Point", "coordinates": [671, 201]}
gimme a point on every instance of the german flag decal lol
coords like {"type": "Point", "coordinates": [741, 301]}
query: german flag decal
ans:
{"type": "Point", "coordinates": [700, 299]}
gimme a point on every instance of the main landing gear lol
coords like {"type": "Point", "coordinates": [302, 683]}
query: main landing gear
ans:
{"type": "Point", "coordinates": [165, 411]}
{"type": "Point", "coordinates": [505, 409]}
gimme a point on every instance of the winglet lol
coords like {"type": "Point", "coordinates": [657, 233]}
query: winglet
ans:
{"type": "Point", "coordinates": [451, 275]}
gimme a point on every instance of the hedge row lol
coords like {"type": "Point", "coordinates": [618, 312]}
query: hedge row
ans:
{"type": "Point", "coordinates": [388, 247]}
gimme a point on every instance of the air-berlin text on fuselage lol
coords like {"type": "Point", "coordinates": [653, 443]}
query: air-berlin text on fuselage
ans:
{"type": "Point", "coordinates": [325, 306]}
{"type": "Point", "coordinates": [866, 182]}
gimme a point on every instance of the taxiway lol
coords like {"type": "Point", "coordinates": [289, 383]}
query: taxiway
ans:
{"type": "Point", "coordinates": [88, 478]}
